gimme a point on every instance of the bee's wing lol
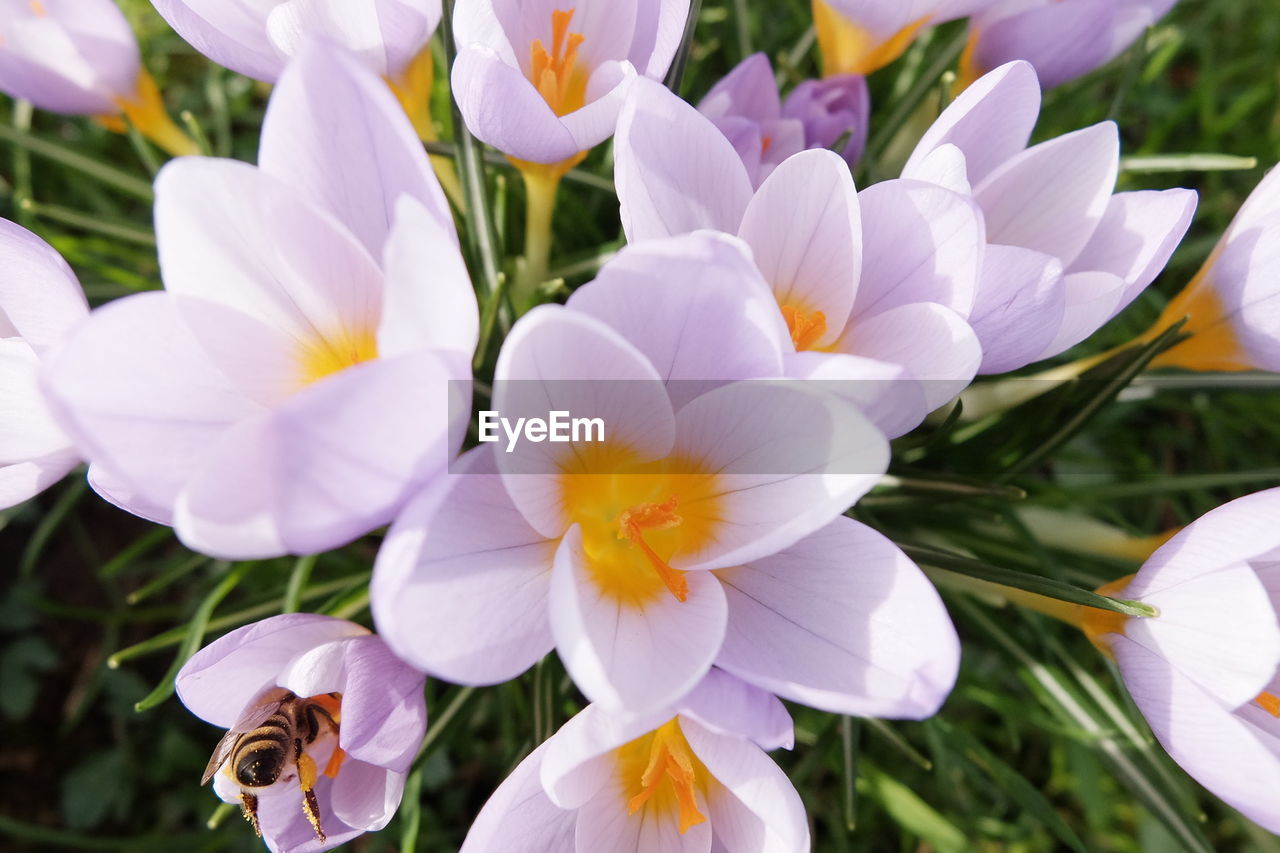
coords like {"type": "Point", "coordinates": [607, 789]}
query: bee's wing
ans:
{"type": "Point", "coordinates": [220, 753]}
{"type": "Point", "coordinates": [249, 720]}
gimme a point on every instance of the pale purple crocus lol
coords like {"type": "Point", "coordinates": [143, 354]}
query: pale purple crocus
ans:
{"type": "Point", "coordinates": [40, 302]}
{"type": "Point", "coordinates": [1063, 39]}
{"type": "Point", "coordinates": [289, 389]}
{"type": "Point", "coordinates": [79, 57]}
{"type": "Point", "coordinates": [764, 130]}
{"type": "Point", "coordinates": [875, 287]}
{"type": "Point", "coordinates": [1204, 671]}
{"type": "Point", "coordinates": [258, 37]}
{"type": "Point", "coordinates": [694, 776]}
{"type": "Point", "coordinates": [860, 36]}
{"type": "Point", "coordinates": [711, 534]}
{"type": "Point", "coordinates": [1066, 253]}
{"type": "Point", "coordinates": [543, 81]}
{"type": "Point", "coordinates": [832, 109]}
{"type": "Point", "coordinates": [371, 718]}
{"type": "Point", "coordinates": [1232, 306]}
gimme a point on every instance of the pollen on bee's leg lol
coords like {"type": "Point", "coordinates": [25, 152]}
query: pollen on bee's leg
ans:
{"type": "Point", "coordinates": [307, 773]}
{"type": "Point", "coordinates": [631, 526]}
{"type": "Point", "coordinates": [311, 808]}
{"type": "Point", "coordinates": [249, 807]}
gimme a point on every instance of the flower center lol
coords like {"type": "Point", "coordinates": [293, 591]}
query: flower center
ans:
{"type": "Point", "coordinates": [807, 327]}
{"type": "Point", "coordinates": [326, 355]}
{"type": "Point", "coordinates": [848, 48]}
{"type": "Point", "coordinates": [556, 74]}
{"type": "Point", "coordinates": [637, 517]}
{"type": "Point", "coordinates": [670, 774]}
{"type": "Point", "coordinates": [631, 526]}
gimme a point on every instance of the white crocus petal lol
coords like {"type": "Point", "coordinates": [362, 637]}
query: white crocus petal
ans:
{"type": "Point", "coordinates": [627, 655]}
{"type": "Point", "coordinates": [519, 816]}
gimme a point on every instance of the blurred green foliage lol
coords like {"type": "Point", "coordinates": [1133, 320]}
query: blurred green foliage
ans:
{"type": "Point", "coordinates": [1037, 750]}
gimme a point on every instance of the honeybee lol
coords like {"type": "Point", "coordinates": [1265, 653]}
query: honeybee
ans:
{"type": "Point", "coordinates": [270, 736]}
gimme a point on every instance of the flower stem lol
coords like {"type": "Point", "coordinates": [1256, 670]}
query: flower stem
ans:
{"type": "Point", "coordinates": [541, 184]}
{"type": "Point", "coordinates": [145, 111]}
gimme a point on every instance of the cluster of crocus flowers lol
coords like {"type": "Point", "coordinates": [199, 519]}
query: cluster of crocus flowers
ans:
{"type": "Point", "coordinates": [79, 57]}
{"type": "Point", "coordinates": [765, 130]}
{"type": "Point", "coordinates": [287, 391]}
{"type": "Point", "coordinates": [692, 776]}
{"type": "Point", "coordinates": [1205, 671]}
{"type": "Point", "coordinates": [704, 530]}
{"type": "Point", "coordinates": [40, 302]}
{"type": "Point", "coordinates": [322, 720]}
{"type": "Point", "coordinates": [257, 39]}
{"type": "Point", "coordinates": [875, 288]}
{"type": "Point", "coordinates": [1065, 252]}
{"type": "Point", "coordinates": [1063, 39]}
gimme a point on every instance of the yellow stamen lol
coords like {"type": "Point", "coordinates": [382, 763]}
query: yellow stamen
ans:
{"type": "Point", "coordinates": [1269, 702]}
{"type": "Point", "coordinates": [1097, 624]}
{"type": "Point", "coordinates": [631, 526]}
{"type": "Point", "coordinates": [807, 327]}
{"type": "Point", "coordinates": [670, 760]}
{"type": "Point", "coordinates": [848, 48]}
{"type": "Point", "coordinates": [325, 356]}
{"type": "Point", "coordinates": [555, 74]}
{"type": "Point", "coordinates": [145, 111]}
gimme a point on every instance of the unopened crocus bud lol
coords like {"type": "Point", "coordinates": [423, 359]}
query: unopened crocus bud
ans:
{"type": "Point", "coordinates": [79, 57]}
{"type": "Point", "coordinates": [1204, 670]}
{"type": "Point", "coordinates": [40, 301]}
{"type": "Point", "coordinates": [834, 112]}
{"type": "Point", "coordinates": [323, 723]}
{"type": "Point", "coordinates": [1232, 306]}
{"type": "Point", "coordinates": [1063, 39]}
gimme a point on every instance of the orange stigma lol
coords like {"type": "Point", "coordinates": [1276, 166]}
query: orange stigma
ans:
{"type": "Point", "coordinates": [562, 84]}
{"type": "Point", "coordinates": [807, 327]}
{"type": "Point", "coordinates": [631, 526]}
{"type": "Point", "coordinates": [670, 758]}
{"type": "Point", "coordinates": [1269, 702]}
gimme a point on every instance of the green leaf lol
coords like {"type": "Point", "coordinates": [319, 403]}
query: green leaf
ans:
{"type": "Point", "coordinates": [98, 788]}
{"type": "Point", "coordinates": [21, 664]}
{"type": "Point", "coordinates": [909, 811]}
{"type": "Point", "coordinates": [1011, 783]}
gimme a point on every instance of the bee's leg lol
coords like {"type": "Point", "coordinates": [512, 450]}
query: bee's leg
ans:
{"type": "Point", "coordinates": [249, 805]}
{"type": "Point", "coordinates": [307, 781]}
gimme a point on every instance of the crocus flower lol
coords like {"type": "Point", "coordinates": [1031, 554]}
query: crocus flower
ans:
{"type": "Point", "coordinates": [746, 108]}
{"type": "Point", "coordinates": [1066, 254]}
{"type": "Point", "coordinates": [288, 390]}
{"type": "Point", "coordinates": [1234, 301]}
{"type": "Point", "coordinates": [544, 81]}
{"type": "Point", "coordinates": [707, 530]}
{"type": "Point", "coordinates": [873, 287]}
{"type": "Point", "coordinates": [357, 712]}
{"type": "Point", "coordinates": [79, 57]}
{"type": "Point", "coordinates": [832, 109]}
{"type": "Point", "coordinates": [1063, 39]}
{"type": "Point", "coordinates": [1204, 671]}
{"type": "Point", "coordinates": [693, 776]}
{"type": "Point", "coordinates": [40, 301]}
{"type": "Point", "coordinates": [860, 36]}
